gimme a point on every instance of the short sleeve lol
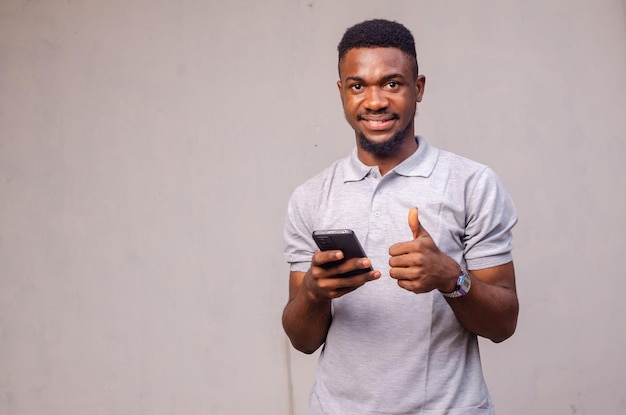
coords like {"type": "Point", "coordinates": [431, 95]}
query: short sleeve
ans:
{"type": "Point", "coordinates": [490, 218]}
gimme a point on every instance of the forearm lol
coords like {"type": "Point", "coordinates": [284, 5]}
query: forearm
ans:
{"type": "Point", "coordinates": [307, 315]}
{"type": "Point", "coordinates": [306, 321]}
{"type": "Point", "coordinates": [488, 310]}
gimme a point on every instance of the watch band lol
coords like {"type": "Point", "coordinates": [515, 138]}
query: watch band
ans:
{"type": "Point", "coordinates": [463, 285]}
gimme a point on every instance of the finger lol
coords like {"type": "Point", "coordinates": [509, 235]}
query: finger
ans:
{"type": "Point", "coordinates": [336, 287]}
{"type": "Point", "coordinates": [353, 266]}
{"type": "Point", "coordinates": [414, 222]}
{"type": "Point", "coordinates": [406, 260]}
{"type": "Point", "coordinates": [321, 258]}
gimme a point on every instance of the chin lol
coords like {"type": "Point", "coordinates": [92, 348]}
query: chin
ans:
{"type": "Point", "coordinates": [383, 148]}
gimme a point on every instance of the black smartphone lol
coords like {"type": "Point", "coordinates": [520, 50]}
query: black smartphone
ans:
{"type": "Point", "coordinates": [344, 240]}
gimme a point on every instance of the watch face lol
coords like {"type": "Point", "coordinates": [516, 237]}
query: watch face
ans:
{"type": "Point", "coordinates": [462, 287]}
{"type": "Point", "coordinates": [466, 283]}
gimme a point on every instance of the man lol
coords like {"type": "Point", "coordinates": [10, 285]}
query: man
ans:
{"type": "Point", "coordinates": [402, 338]}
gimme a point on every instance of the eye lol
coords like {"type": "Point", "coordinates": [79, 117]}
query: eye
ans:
{"type": "Point", "coordinates": [356, 87]}
{"type": "Point", "coordinates": [392, 85]}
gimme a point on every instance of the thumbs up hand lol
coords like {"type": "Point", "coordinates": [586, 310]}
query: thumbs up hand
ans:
{"type": "Point", "coordinates": [419, 265]}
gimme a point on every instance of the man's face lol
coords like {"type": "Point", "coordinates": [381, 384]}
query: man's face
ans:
{"type": "Point", "coordinates": [379, 92]}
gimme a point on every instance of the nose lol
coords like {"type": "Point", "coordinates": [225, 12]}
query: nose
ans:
{"type": "Point", "coordinates": [375, 99]}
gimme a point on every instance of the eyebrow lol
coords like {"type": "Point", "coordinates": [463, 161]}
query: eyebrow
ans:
{"type": "Point", "coordinates": [354, 78]}
{"type": "Point", "coordinates": [393, 76]}
{"type": "Point", "coordinates": [384, 78]}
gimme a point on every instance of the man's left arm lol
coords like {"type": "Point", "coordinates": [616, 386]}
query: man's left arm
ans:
{"type": "Point", "coordinates": [489, 309]}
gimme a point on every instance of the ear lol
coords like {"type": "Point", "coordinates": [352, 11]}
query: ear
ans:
{"type": "Point", "coordinates": [420, 83]}
{"type": "Point", "coordinates": [340, 88]}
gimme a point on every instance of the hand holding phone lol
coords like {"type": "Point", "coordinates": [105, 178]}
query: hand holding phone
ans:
{"type": "Point", "coordinates": [344, 240]}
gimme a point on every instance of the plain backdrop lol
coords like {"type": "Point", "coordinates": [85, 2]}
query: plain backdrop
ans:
{"type": "Point", "coordinates": [148, 149]}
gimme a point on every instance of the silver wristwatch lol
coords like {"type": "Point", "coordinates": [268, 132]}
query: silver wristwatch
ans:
{"type": "Point", "coordinates": [463, 285]}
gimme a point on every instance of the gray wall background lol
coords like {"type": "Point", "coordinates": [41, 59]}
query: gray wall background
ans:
{"type": "Point", "coordinates": [148, 149]}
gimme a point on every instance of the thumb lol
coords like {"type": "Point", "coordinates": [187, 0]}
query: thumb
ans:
{"type": "Point", "coordinates": [414, 222]}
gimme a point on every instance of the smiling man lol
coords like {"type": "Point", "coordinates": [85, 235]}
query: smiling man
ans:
{"type": "Point", "coordinates": [400, 338]}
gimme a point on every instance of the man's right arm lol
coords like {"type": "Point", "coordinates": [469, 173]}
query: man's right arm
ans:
{"type": "Point", "coordinates": [306, 319]}
{"type": "Point", "coordinates": [307, 315]}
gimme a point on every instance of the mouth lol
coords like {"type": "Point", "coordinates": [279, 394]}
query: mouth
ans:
{"type": "Point", "coordinates": [378, 122]}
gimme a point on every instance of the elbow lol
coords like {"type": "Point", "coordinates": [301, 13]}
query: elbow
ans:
{"type": "Point", "coordinates": [301, 340]}
{"type": "Point", "coordinates": [304, 348]}
{"type": "Point", "coordinates": [303, 345]}
{"type": "Point", "coordinates": [507, 329]}
{"type": "Point", "coordinates": [500, 337]}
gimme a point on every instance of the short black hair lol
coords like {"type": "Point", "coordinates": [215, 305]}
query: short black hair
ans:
{"type": "Point", "coordinates": [379, 33]}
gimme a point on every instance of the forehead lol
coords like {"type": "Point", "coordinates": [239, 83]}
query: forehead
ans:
{"type": "Point", "coordinates": [374, 63]}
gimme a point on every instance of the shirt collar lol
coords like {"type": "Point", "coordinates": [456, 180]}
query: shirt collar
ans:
{"type": "Point", "coordinates": [420, 163]}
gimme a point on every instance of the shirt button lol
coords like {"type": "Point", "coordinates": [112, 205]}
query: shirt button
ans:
{"type": "Point", "coordinates": [377, 213]}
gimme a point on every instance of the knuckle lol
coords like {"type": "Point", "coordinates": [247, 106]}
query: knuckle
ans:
{"type": "Point", "coordinates": [316, 272]}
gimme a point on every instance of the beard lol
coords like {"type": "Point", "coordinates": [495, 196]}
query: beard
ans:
{"type": "Point", "coordinates": [386, 148]}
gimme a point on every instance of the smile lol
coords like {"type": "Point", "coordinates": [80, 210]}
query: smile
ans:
{"type": "Point", "coordinates": [378, 124]}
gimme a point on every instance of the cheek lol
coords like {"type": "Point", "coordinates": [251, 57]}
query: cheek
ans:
{"type": "Point", "coordinates": [410, 103]}
{"type": "Point", "coordinates": [350, 105]}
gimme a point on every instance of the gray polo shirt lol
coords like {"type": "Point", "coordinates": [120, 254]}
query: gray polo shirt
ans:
{"type": "Point", "coordinates": [389, 351]}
